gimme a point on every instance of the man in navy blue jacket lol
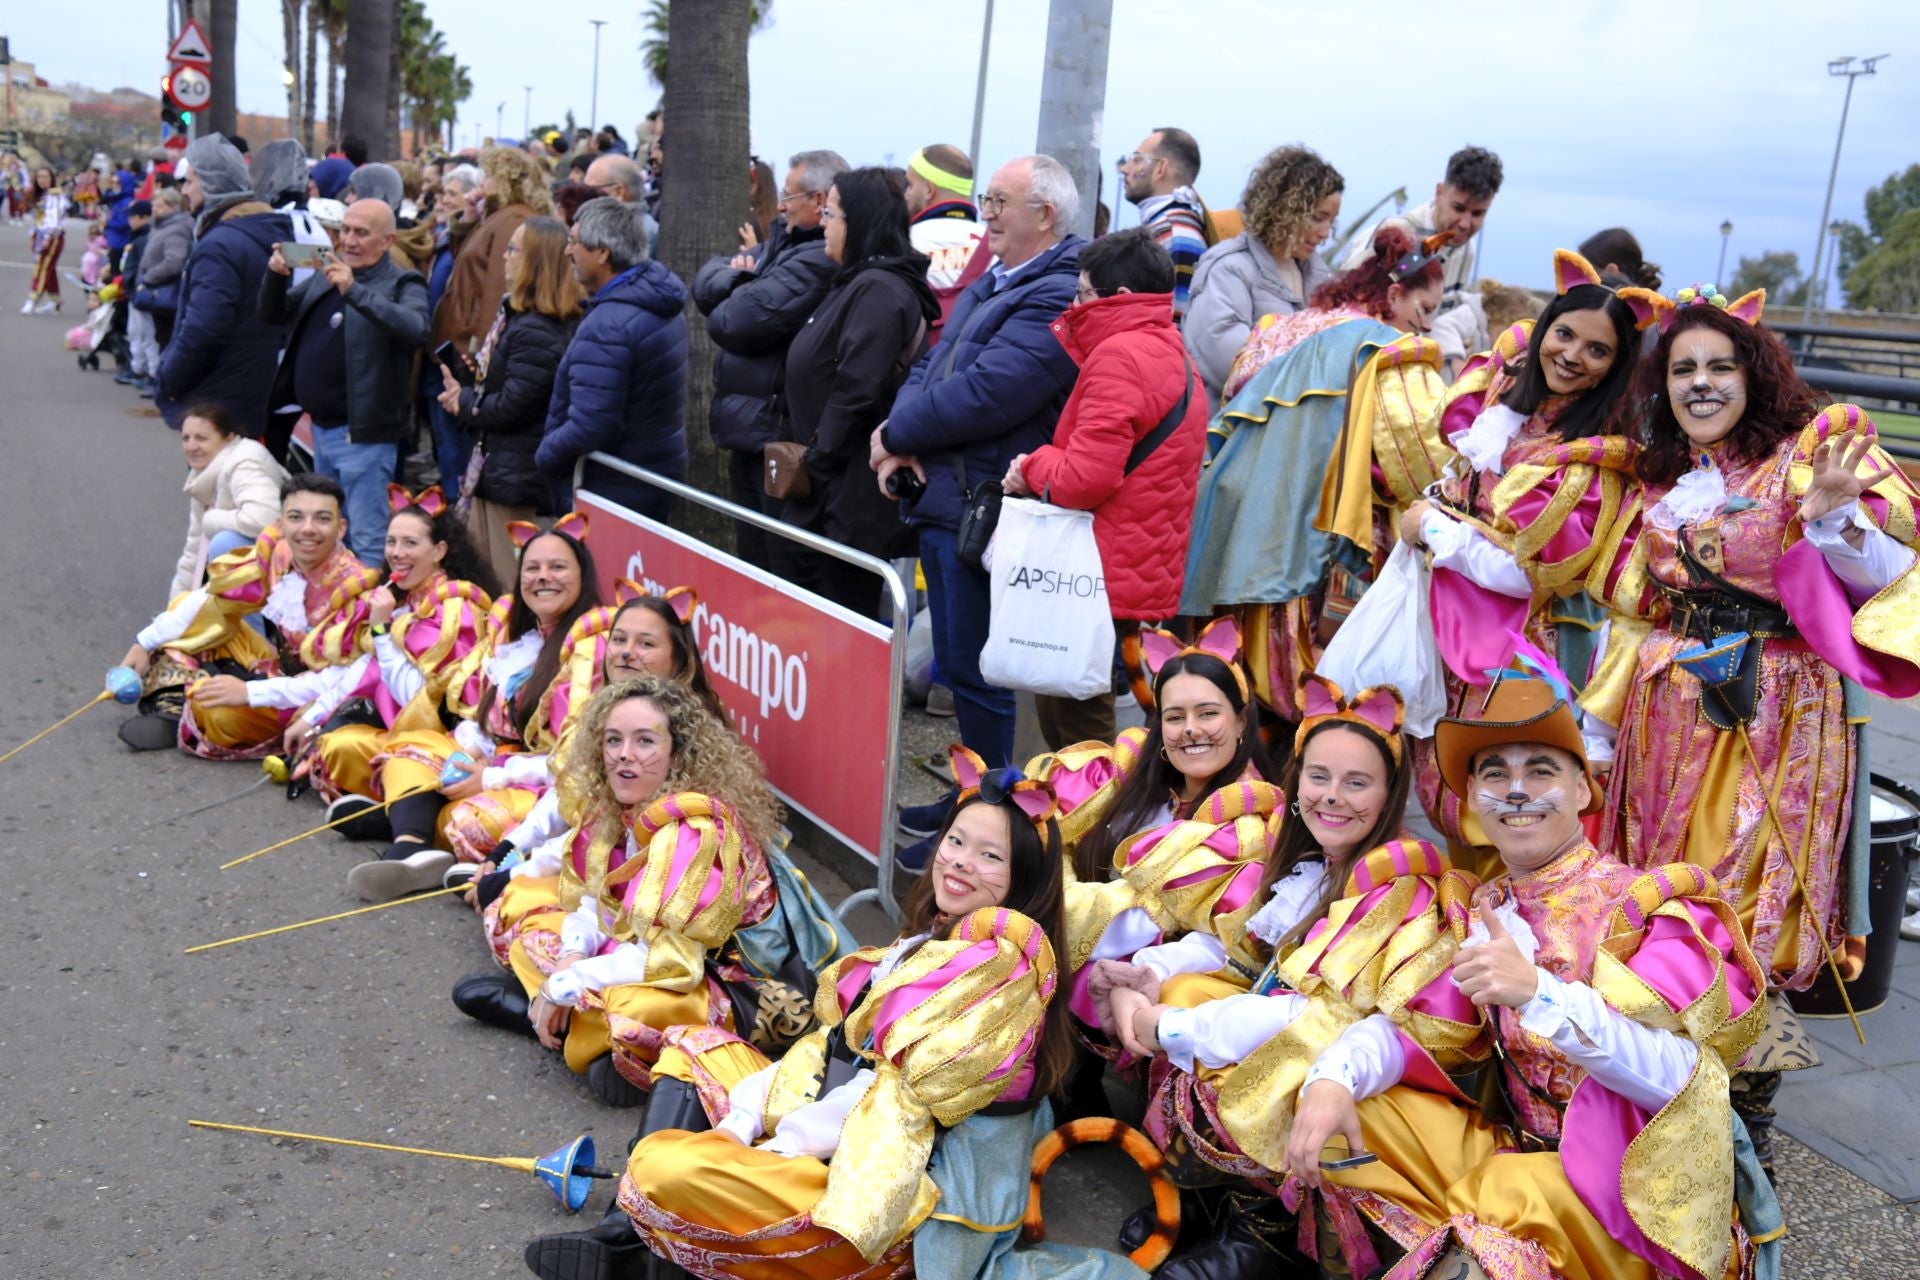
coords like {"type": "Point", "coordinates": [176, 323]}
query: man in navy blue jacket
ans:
{"type": "Point", "coordinates": [992, 388]}
{"type": "Point", "coordinates": [622, 386]}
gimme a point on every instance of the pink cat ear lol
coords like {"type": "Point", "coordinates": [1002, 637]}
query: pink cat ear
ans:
{"type": "Point", "coordinates": [1034, 800]}
{"type": "Point", "coordinates": [1648, 307]}
{"type": "Point", "coordinates": [1320, 696]}
{"type": "Point", "coordinates": [1221, 639]}
{"type": "Point", "coordinates": [522, 532]}
{"type": "Point", "coordinates": [1382, 708]}
{"type": "Point", "coordinates": [1570, 271]}
{"type": "Point", "coordinates": [682, 600]}
{"type": "Point", "coordinates": [432, 500]}
{"type": "Point", "coordinates": [626, 591]}
{"type": "Point", "coordinates": [573, 524]}
{"type": "Point", "coordinates": [1748, 306]}
{"type": "Point", "coordinates": [1157, 648]}
{"type": "Point", "coordinates": [968, 768]}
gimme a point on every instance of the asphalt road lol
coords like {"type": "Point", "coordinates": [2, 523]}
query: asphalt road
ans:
{"type": "Point", "coordinates": [111, 1038]}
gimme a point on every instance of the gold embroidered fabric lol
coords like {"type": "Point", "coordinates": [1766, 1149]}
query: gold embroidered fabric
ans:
{"type": "Point", "coordinates": [689, 887]}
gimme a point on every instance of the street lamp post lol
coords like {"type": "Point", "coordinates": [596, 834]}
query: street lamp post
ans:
{"type": "Point", "coordinates": [1833, 262]}
{"type": "Point", "coordinates": [980, 93]}
{"type": "Point", "coordinates": [499, 118]}
{"type": "Point", "coordinates": [1720, 272]}
{"type": "Point", "coordinates": [1835, 67]}
{"type": "Point", "coordinates": [526, 116]}
{"type": "Point", "coordinates": [593, 111]}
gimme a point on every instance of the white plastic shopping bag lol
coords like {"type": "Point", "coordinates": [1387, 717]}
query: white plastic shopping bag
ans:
{"type": "Point", "coordinates": [1051, 630]}
{"type": "Point", "coordinates": [1388, 639]}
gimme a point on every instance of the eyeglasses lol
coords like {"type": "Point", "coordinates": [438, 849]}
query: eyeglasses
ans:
{"type": "Point", "coordinates": [788, 197]}
{"type": "Point", "coordinates": [993, 205]}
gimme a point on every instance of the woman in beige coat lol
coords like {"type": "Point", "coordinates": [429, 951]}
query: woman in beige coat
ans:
{"type": "Point", "coordinates": [233, 491]}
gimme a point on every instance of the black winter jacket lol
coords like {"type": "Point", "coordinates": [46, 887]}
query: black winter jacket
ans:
{"type": "Point", "coordinates": [221, 352]}
{"type": "Point", "coordinates": [752, 316]}
{"type": "Point", "coordinates": [386, 322]}
{"type": "Point", "coordinates": [508, 411]}
{"type": "Point", "coordinates": [622, 390]}
{"type": "Point", "coordinates": [842, 372]}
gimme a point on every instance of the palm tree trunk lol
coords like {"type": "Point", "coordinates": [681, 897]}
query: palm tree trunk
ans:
{"type": "Point", "coordinates": [390, 137]}
{"type": "Point", "coordinates": [222, 23]}
{"type": "Point", "coordinates": [706, 108]}
{"type": "Point", "coordinates": [336, 59]}
{"type": "Point", "coordinates": [290, 27]}
{"type": "Point", "coordinates": [363, 112]}
{"type": "Point", "coordinates": [312, 70]}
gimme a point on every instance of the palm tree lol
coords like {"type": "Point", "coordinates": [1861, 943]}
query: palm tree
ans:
{"type": "Point", "coordinates": [364, 113]}
{"type": "Point", "coordinates": [334, 20]}
{"type": "Point", "coordinates": [313, 71]}
{"type": "Point", "coordinates": [290, 29]}
{"type": "Point", "coordinates": [653, 50]}
{"type": "Point", "coordinates": [223, 20]}
{"type": "Point", "coordinates": [707, 115]}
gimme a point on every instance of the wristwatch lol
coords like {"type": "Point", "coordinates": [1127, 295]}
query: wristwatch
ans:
{"type": "Point", "coordinates": [378, 628]}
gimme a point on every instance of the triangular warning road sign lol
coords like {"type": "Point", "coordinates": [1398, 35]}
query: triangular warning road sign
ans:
{"type": "Point", "coordinates": [191, 46]}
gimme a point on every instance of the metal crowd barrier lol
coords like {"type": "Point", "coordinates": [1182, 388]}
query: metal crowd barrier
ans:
{"type": "Point", "coordinates": [882, 893]}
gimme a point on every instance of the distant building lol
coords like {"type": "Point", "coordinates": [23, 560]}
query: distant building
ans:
{"type": "Point", "coordinates": [28, 101]}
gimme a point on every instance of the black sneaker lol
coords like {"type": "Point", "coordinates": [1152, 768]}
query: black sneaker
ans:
{"type": "Point", "coordinates": [611, 1251]}
{"type": "Point", "coordinates": [913, 858]}
{"type": "Point", "coordinates": [369, 819]}
{"type": "Point", "coordinates": [150, 732]}
{"type": "Point", "coordinates": [923, 820]}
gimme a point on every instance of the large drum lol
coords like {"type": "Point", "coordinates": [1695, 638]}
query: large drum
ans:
{"type": "Point", "coordinates": [1895, 813]}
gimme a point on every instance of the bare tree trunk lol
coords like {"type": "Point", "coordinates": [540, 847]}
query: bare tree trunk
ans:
{"type": "Point", "coordinates": [706, 109]}
{"type": "Point", "coordinates": [336, 58]}
{"type": "Point", "coordinates": [363, 112]}
{"type": "Point", "coordinates": [312, 76]}
{"type": "Point", "coordinates": [390, 140]}
{"type": "Point", "coordinates": [222, 24]}
{"type": "Point", "coordinates": [290, 28]}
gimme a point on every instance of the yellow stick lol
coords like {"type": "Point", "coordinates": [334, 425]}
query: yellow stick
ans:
{"type": "Point", "coordinates": [340, 915]}
{"type": "Point", "coordinates": [520, 1163]}
{"type": "Point", "coordinates": [102, 696]}
{"type": "Point", "coordinates": [325, 826]}
{"type": "Point", "coordinates": [1819, 929]}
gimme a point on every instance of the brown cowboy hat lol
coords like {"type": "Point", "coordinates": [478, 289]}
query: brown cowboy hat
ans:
{"type": "Point", "coordinates": [1518, 708]}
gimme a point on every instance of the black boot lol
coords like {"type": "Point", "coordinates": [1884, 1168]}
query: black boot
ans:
{"type": "Point", "coordinates": [674, 1104]}
{"type": "Point", "coordinates": [151, 732]}
{"type": "Point", "coordinates": [610, 1086]}
{"type": "Point", "coordinates": [494, 997]}
{"type": "Point", "coordinates": [1244, 1241]}
{"type": "Point", "coordinates": [1752, 1096]}
{"type": "Point", "coordinates": [369, 819]}
{"type": "Point", "coordinates": [611, 1251]}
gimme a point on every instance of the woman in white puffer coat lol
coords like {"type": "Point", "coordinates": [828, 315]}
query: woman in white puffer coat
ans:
{"type": "Point", "coordinates": [233, 492]}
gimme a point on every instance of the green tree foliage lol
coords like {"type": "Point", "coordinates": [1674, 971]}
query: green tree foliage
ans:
{"type": "Point", "coordinates": [1778, 272]}
{"type": "Point", "coordinates": [1888, 278]}
{"type": "Point", "coordinates": [653, 50]}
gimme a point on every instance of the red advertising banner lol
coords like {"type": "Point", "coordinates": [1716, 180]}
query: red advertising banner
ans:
{"type": "Point", "coordinates": [808, 683]}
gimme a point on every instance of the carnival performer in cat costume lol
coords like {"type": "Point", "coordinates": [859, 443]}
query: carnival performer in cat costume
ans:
{"type": "Point", "coordinates": [1615, 1001]}
{"type": "Point", "coordinates": [294, 577]}
{"type": "Point", "coordinates": [1765, 561]}
{"type": "Point", "coordinates": [1542, 475]}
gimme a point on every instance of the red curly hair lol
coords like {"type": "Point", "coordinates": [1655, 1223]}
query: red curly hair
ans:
{"type": "Point", "coordinates": [1778, 402]}
{"type": "Point", "coordinates": [1365, 287]}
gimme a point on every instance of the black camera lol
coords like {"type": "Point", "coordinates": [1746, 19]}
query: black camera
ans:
{"type": "Point", "coordinates": [906, 485]}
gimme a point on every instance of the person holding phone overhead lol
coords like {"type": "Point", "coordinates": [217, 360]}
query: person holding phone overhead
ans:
{"type": "Point", "coordinates": [352, 329]}
{"type": "Point", "coordinates": [501, 399]}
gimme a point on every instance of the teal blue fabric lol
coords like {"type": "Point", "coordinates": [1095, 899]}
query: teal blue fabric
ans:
{"type": "Point", "coordinates": [800, 923]}
{"type": "Point", "coordinates": [1253, 535]}
{"type": "Point", "coordinates": [982, 1167]}
{"type": "Point", "coordinates": [1760, 1211]}
{"type": "Point", "coordinates": [1859, 915]}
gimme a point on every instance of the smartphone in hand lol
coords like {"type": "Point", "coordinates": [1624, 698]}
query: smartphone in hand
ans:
{"type": "Point", "coordinates": [449, 357]}
{"type": "Point", "coordinates": [300, 257]}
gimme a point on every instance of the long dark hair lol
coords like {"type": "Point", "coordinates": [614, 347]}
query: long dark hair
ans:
{"type": "Point", "coordinates": [874, 203]}
{"type": "Point", "coordinates": [1779, 403]}
{"type": "Point", "coordinates": [461, 563]}
{"type": "Point", "coordinates": [1146, 789]}
{"type": "Point", "coordinates": [1590, 411]}
{"type": "Point", "coordinates": [1296, 842]}
{"type": "Point", "coordinates": [688, 670]}
{"type": "Point", "coordinates": [521, 619]}
{"type": "Point", "coordinates": [1035, 889]}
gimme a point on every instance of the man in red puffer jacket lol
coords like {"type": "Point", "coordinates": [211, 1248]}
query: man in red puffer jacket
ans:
{"type": "Point", "coordinates": [1133, 373]}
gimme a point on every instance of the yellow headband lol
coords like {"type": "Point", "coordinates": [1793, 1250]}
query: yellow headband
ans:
{"type": "Point", "coordinates": [939, 177]}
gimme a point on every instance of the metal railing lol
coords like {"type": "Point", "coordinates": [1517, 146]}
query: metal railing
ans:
{"type": "Point", "coordinates": [882, 893]}
{"type": "Point", "coordinates": [1877, 368]}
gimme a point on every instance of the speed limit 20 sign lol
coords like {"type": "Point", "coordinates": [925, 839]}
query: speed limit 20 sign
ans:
{"type": "Point", "coordinates": [189, 88]}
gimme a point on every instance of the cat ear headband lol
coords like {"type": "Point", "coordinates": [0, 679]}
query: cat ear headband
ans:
{"type": "Point", "coordinates": [1650, 308]}
{"type": "Point", "coordinates": [431, 500]}
{"type": "Point", "coordinates": [1423, 253]}
{"type": "Point", "coordinates": [573, 524]}
{"type": "Point", "coordinates": [996, 785]}
{"type": "Point", "coordinates": [1220, 640]}
{"type": "Point", "coordinates": [680, 599]}
{"type": "Point", "coordinates": [1379, 708]}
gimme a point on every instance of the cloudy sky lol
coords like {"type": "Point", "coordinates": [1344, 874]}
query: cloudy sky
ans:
{"type": "Point", "coordinates": [1666, 116]}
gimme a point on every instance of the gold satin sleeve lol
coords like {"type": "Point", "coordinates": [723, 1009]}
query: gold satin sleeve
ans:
{"type": "Point", "coordinates": [1393, 420]}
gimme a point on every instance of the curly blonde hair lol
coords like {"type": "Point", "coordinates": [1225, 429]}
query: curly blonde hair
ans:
{"type": "Point", "coordinates": [516, 180]}
{"type": "Point", "coordinates": [1280, 196]}
{"type": "Point", "coordinates": [707, 758]}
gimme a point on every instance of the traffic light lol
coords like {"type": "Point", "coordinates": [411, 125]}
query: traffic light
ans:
{"type": "Point", "coordinates": [170, 115]}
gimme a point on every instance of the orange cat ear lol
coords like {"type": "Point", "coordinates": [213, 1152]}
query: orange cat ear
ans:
{"type": "Point", "coordinates": [1748, 306]}
{"type": "Point", "coordinates": [626, 591]}
{"type": "Point", "coordinates": [1649, 308]}
{"type": "Point", "coordinates": [683, 600]}
{"type": "Point", "coordinates": [522, 532]}
{"type": "Point", "coordinates": [1570, 270]}
{"type": "Point", "coordinates": [573, 524]}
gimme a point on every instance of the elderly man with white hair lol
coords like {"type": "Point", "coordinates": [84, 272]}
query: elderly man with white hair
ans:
{"type": "Point", "coordinates": [990, 390]}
